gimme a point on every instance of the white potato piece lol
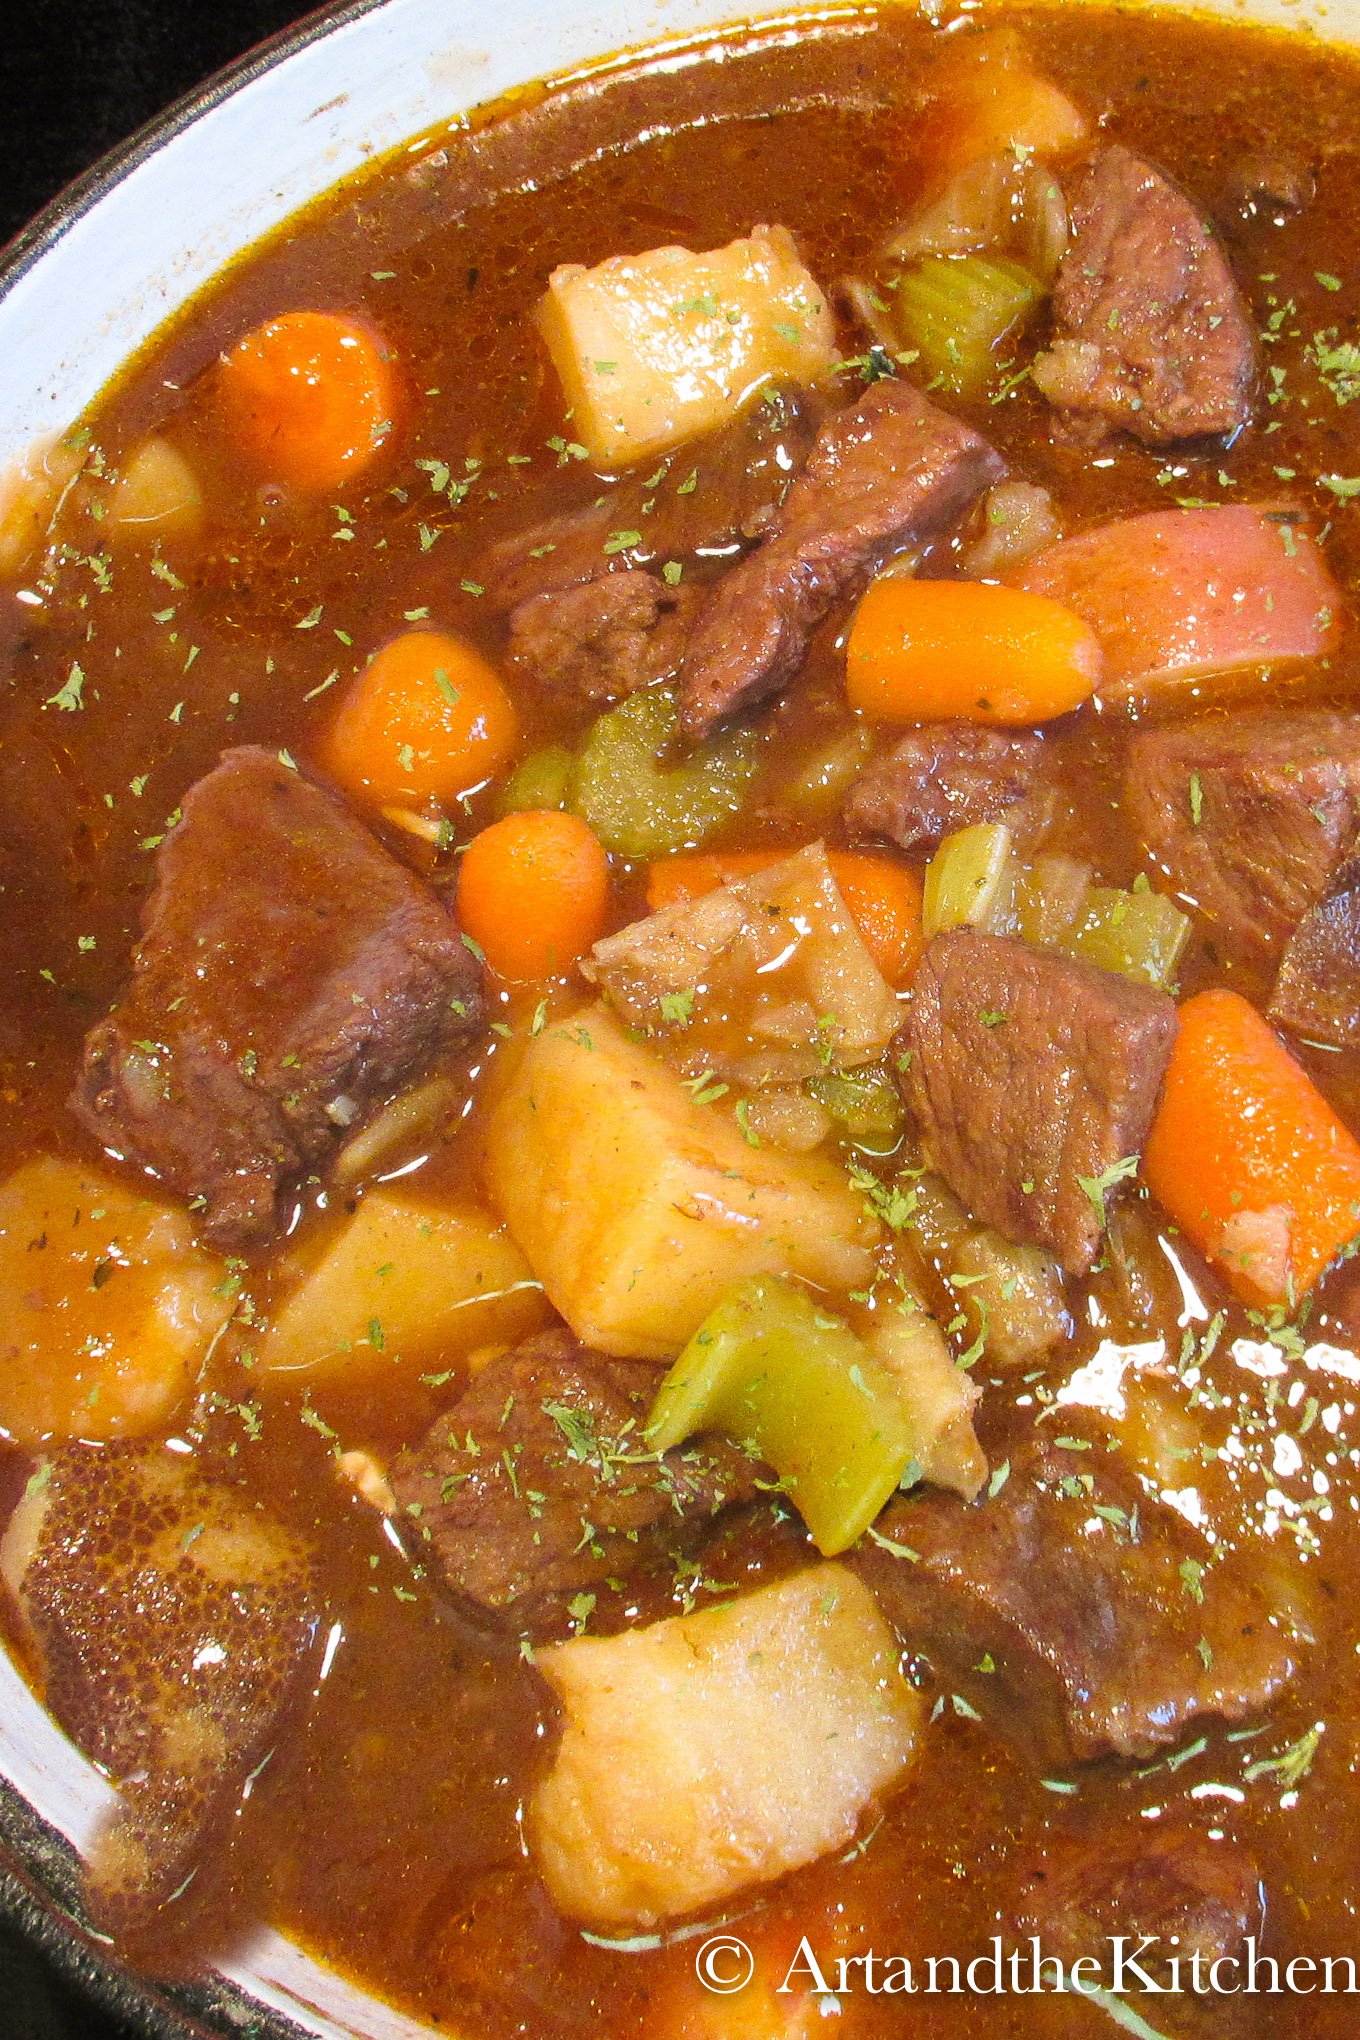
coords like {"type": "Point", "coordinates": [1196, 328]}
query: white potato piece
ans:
{"type": "Point", "coordinates": [31, 492]}
{"type": "Point", "coordinates": [405, 1281]}
{"type": "Point", "coordinates": [640, 1209]}
{"type": "Point", "coordinates": [710, 1752]}
{"type": "Point", "coordinates": [655, 348]}
{"type": "Point", "coordinates": [156, 494]}
{"type": "Point", "coordinates": [107, 1307]}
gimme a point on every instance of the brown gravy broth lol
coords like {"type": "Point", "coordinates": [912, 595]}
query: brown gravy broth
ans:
{"type": "Point", "coordinates": [384, 1833]}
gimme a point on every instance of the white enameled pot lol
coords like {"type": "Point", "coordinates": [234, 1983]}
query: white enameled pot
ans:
{"type": "Point", "coordinates": [86, 285]}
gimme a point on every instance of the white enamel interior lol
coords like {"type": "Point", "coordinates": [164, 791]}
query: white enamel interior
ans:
{"type": "Point", "coordinates": [97, 290]}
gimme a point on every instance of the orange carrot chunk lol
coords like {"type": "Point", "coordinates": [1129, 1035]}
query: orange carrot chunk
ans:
{"type": "Point", "coordinates": [936, 651]}
{"type": "Point", "coordinates": [882, 895]}
{"type": "Point", "coordinates": [1175, 595]}
{"type": "Point", "coordinates": [311, 396]}
{"type": "Point", "coordinates": [1247, 1155]}
{"type": "Point", "coordinates": [533, 893]}
{"type": "Point", "coordinates": [988, 102]}
{"type": "Point", "coordinates": [427, 719]}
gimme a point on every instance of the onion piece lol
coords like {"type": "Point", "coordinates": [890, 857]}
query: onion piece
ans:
{"type": "Point", "coordinates": [1008, 205]}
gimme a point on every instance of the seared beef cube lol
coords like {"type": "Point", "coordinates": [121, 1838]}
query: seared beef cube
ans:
{"type": "Point", "coordinates": [605, 638]}
{"type": "Point", "coordinates": [1152, 335]}
{"type": "Point", "coordinates": [942, 777]}
{"type": "Point", "coordinates": [1317, 992]}
{"type": "Point", "coordinates": [1163, 1882]}
{"type": "Point", "coordinates": [291, 974]}
{"type": "Point", "coordinates": [1249, 816]}
{"type": "Point", "coordinates": [1031, 1075]}
{"type": "Point", "coordinates": [538, 1482]}
{"type": "Point", "coordinates": [709, 498]}
{"type": "Point", "coordinates": [887, 472]}
{"type": "Point", "coordinates": [1110, 1622]}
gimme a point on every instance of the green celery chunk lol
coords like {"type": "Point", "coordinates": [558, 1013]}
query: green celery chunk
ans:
{"type": "Point", "coordinates": [969, 881]}
{"type": "Point", "coordinates": [1139, 934]}
{"type": "Point", "coordinates": [640, 807]}
{"type": "Point", "coordinates": [866, 1103]}
{"type": "Point", "coordinates": [542, 780]}
{"type": "Point", "coordinates": [771, 1370]}
{"type": "Point", "coordinates": [956, 311]}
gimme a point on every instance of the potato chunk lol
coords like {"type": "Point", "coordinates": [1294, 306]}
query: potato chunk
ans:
{"type": "Point", "coordinates": [714, 1751]}
{"type": "Point", "coordinates": [654, 348]}
{"type": "Point", "coordinates": [406, 1280]}
{"type": "Point", "coordinates": [639, 1208]}
{"type": "Point", "coordinates": [108, 1306]}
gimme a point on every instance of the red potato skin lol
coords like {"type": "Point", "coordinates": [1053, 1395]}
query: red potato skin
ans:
{"type": "Point", "coordinates": [1177, 595]}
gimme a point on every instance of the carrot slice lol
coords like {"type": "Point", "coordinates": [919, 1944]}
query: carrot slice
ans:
{"type": "Point", "coordinates": [936, 651]}
{"type": "Point", "coordinates": [1175, 595]}
{"type": "Point", "coordinates": [1247, 1155]}
{"type": "Point", "coordinates": [533, 892]}
{"type": "Point", "coordinates": [989, 102]}
{"type": "Point", "coordinates": [883, 896]}
{"type": "Point", "coordinates": [427, 719]}
{"type": "Point", "coordinates": [311, 395]}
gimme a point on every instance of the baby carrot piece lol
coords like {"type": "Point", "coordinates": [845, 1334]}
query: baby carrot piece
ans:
{"type": "Point", "coordinates": [988, 102]}
{"type": "Point", "coordinates": [533, 892]}
{"type": "Point", "coordinates": [427, 719]}
{"type": "Point", "coordinates": [1247, 1155]}
{"type": "Point", "coordinates": [935, 651]}
{"type": "Point", "coordinates": [311, 395]}
{"type": "Point", "coordinates": [883, 896]}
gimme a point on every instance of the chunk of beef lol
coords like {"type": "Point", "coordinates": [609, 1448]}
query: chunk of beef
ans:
{"type": "Point", "coordinates": [708, 499]}
{"type": "Point", "coordinates": [1028, 1073]}
{"type": "Point", "coordinates": [1093, 1600]}
{"type": "Point", "coordinates": [605, 638]}
{"type": "Point", "coordinates": [1152, 335]}
{"type": "Point", "coordinates": [1249, 815]}
{"type": "Point", "coordinates": [1317, 991]}
{"type": "Point", "coordinates": [942, 777]}
{"type": "Point", "coordinates": [291, 973]}
{"type": "Point", "coordinates": [172, 1619]}
{"type": "Point", "coordinates": [537, 1483]}
{"type": "Point", "coordinates": [885, 473]}
{"type": "Point", "coordinates": [1162, 1882]}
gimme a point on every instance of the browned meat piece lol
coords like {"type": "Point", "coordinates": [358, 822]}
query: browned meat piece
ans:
{"type": "Point", "coordinates": [1317, 992]}
{"type": "Point", "coordinates": [1152, 335]}
{"type": "Point", "coordinates": [1108, 1632]}
{"type": "Point", "coordinates": [887, 472]}
{"type": "Point", "coordinates": [171, 1618]}
{"type": "Point", "coordinates": [1249, 816]}
{"type": "Point", "coordinates": [290, 975]}
{"type": "Point", "coordinates": [945, 776]}
{"type": "Point", "coordinates": [1164, 1883]}
{"type": "Point", "coordinates": [605, 638]}
{"type": "Point", "coordinates": [1028, 1073]}
{"type": "Point", "coordinates": [1268, 188]}
{"type": "Point", "coordinates": [709, 499]}
{"type": "Point", "coordinates": [537, 1483]}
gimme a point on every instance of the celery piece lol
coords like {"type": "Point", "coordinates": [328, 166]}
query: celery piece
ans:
{"type": "Point", "coordinates": [826, 775]}
{"type": "Point", "coordinates": [956, 312]}
{"type": "Point", "coordinates": [866, 1104]}
{"type": "Point", "coordinates": [969, 881]}
{"type": "Point", "coordinates": [769, 1368]}
{"type": "Point", "coordinates": [640, 807]}
{"type": "Point", "coordinates": [542, 780]}
{"type": "Point", "coordinates": [1138, 934]}
{"type": "Point", "coordinates": [1049, 897]}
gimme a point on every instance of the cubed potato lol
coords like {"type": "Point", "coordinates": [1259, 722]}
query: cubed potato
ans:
{"type": "Point", "coordinates": [30, 495]}
{"type": "Point", "coordinates": [106, 1305]}
{"type": "Point", "coordinates": [406, 1280]}
{"type": "Point", "coordinates": [639, 1208]}
{"type": "Point", "coordinates": [710, 1752]}
{"type": "Point", "coordinates": [654, 348]}
{"type": "Point", "coordinates": [156, 495]}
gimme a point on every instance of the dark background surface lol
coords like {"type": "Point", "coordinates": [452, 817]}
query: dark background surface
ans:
{"type": "Point", "coordinates": [76, 76]}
